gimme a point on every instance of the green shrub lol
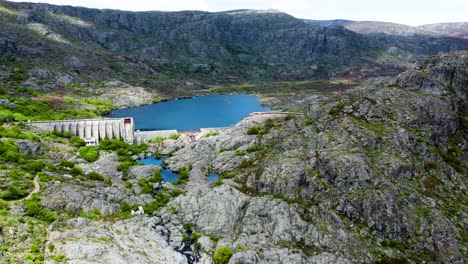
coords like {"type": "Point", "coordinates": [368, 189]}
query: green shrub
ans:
{"type": "Point", "coordinates": [34, 166]}
{"type": "Point", "coordinates": [310, 121]}
{"type": "Point", "coordinates": [175, 192]}
{"type": "Point", "coordinates": [219, 182]}
{"type": "Point", "coordinates": [77, 141]}
{"type": "Point", "coordinates": [269, 123]}
{"type": "Point", "coordinates": [3, 204]}
{"type": "Point", "coordinates": [256, 130]}
{"type": "Point", "coordinates": [44, 177]}
{"type": "Point", "coordinates": [76, 171]}
{"type": "Point", "coordinates": [108, 181]}
{"type": "Point", "coordinates": [222, 255]}
{"type": "Point", "coordinates": [211, 133]}
{"type": "Point", "coordinates": [34, 208]}
{"type": "Point", "coordinates": [174, 136]}
{"type": "Point", "coordinates": [34, 248]}
{"type": "Point", "coordinates": [161, 200]}
{"type": "Point", "coordinates": [336, 109]}
{"type": "Point", "coordinates": [240, 152]}
{"type": "Point", "coordinates": [245, 164]}
{"type": "Point", "coordinates": [14, 193]}
{"type": "Point", "coordinates": [67, 164]}
{"type": "Point", "coordinates": [95, 176]}
{"type": "Point", "coordinates": [96, 211]}
{"type": "Point", "coordinates": [157, 139]}
{"type": "Point", "coordinates": [122, 147]}
{"type": "Point", "coordinates": [125, 207]}
{"type": "Point", "coordinates": [12, 156]}
{"type": "Point", "coordinates": [90, 154]}
{"type": "Point", "coordinates": [63, 134]}
{"type": "Point", "coordinates": [156, 178]}
{"type": "Point", "coordinates": [146, 186]}
{"type": "Point", "coordinates": [183, 174]}
{"type": "Point", "coordinates": [123, 166]}
{"type": "Point", "coordinates": [251, 149]}
{"type": "Point", "coordinates": [17, 77]}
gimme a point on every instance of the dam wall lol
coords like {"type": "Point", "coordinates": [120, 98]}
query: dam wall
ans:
{"type": "Point", "coordinates": [92, 130]}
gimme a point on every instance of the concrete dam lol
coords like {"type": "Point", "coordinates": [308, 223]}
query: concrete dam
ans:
{"type": "Point", "coordinates": [93, 130]}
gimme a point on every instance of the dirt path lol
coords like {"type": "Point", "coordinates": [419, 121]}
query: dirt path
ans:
{"type": "Point", "coordinates": [37, 188]}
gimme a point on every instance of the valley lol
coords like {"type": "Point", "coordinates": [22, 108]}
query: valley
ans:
{"type": "Point", "coordinates": [358, 152]}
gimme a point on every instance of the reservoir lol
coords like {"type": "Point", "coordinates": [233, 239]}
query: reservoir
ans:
{"type": "Point", "coordinates": [193, 113]}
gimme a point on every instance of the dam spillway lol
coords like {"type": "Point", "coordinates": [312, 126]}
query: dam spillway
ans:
{"type": "Point", "coordinates": [92, 130]}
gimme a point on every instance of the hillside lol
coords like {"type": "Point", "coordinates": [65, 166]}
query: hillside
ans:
{"type": "Point", "coordinates": [50, 47]}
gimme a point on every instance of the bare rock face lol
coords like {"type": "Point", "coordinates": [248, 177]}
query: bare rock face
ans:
{"type": "Point", "coordinates": [123, 95]}
{"type": "Point", "coordinates": [86, 197]}
{"type": "Point", "coordinates": [216, 213]}
{"type": "Point", "coordinates": [131, 241]}
{"type": "Point", "coordinates": [28, 146]}
{"type": "Point", "coordinates": [75, 63]}
{"type": "Point", "coordinates": [249, 257]}
{"type": "Point", "coordinates": [142, 172]}
{"type": "Point", "coordinates": [105, 165]}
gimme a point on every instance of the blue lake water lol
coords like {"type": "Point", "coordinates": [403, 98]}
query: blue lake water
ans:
{"type": "Point", "coordinates": [212, 177]}
{"type": "Point", "coordinates": [167, 174]}
{"type": "Point", "coordinates": [151, 160]}
{"type": "Point", "coordinates": [194, 113]}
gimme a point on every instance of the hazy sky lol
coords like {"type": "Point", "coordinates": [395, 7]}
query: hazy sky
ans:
{"type": "Point", "coordinates": [411, 12]}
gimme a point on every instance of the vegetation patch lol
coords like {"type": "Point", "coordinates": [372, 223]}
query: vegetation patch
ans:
{"type": "Point", "coordinates": [222, 255]}
{"type": "Point", "coordinates": [211, 134]}
{"type": "Point", "coordinates": [90, 154]}
{"type": "Point", "coordinates": [35, 209]}
{"type": "Point", "coordinates": [256, 130]}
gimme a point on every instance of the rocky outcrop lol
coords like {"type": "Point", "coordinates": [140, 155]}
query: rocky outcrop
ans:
{"type": "Point", "coordinates": [122, 95]}
{"type": "Point", "coordinates": [75, 63]}
{"type": "Point", "coordinates": [142, 172]}
{"type": "Point", "coordinates": [30, 147]}
{"type": "Point", "coordinates": [105, 165]}
{"type": "Point", "coordinates": [85, 197]}
{"type": "Point", "coordinates": [132, 241]}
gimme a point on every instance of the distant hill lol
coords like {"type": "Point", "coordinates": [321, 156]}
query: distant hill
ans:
{"type": "Point", "coordinates": [458, 30]}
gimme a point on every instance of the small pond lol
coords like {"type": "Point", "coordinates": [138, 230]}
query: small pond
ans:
{"type": "Point", "coordinates": [167, 174]}
{"type": "Point", "coordinates": [213, 177]}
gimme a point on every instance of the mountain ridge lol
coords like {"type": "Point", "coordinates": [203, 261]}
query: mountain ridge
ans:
{"type": "Point", "coordinates": [165, 48]}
